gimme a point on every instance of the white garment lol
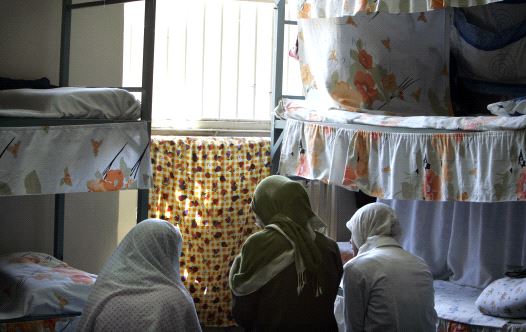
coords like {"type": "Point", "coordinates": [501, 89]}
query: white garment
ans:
{"type": "Point", "coordinates": [387, 289]}
{"type": "Point", "coordinates": [139, 288]}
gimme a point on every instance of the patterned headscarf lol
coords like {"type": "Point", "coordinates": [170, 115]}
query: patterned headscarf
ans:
{"type": "Point", "coordinates": [283, 208]}
{"type": "Point", "coordinates": [372, 221]}
{"type": "Point", "coordinates": [139, 287]}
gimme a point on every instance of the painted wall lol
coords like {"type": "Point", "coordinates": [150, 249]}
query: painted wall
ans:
{"type": "Point", "coordinates": [29, 49]}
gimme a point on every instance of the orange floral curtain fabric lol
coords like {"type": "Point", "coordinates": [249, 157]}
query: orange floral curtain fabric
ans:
{"type": "Point", "coordinates": [205, 186]}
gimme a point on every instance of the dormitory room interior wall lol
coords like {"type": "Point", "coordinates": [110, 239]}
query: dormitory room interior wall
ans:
{"type": "Point", "coordinates": [30, 49]}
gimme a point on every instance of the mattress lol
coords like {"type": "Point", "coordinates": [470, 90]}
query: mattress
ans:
{"type": "Point", "coordinates": [61, 323]}
{"type": "Point", "coordinates": [70, 102]}
{"type": "Point", "coordinates": [478, 159]}
{"type": "Point", "coordinates": [74, 158]}
{"type": "Point", "coordinates": [38, 285]}
{"type": "Point", "coordinates": [455, 303]}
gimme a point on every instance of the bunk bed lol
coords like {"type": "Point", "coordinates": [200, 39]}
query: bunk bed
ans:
{"type": "Point", "coordinates": [364, 126]}
{"type": "Point", "coordinates": [67, 140]}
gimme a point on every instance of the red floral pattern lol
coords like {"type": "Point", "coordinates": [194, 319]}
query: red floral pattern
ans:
{"type": "Point", "coordinates": [365, 84]}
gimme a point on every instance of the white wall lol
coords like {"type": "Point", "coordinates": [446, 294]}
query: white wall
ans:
{"type": "Point", "coordinates": [30, 38]}
{"type": "Point", "coordinates": [29, 49]}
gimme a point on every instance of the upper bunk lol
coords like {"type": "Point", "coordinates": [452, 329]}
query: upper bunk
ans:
{"type": "Point", "coordinates": [63, 139]}
{"type": "Point", "coordinates": [397, 106]}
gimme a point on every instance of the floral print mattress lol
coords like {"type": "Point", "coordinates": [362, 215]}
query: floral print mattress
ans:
{"type": "Point", "coordinates": [457, 303]}
{"type": "Point", "coordinates": [36, 284]}
{"type": "Point", "coordinates": [74, 158]}
{"type": "Point", "coordinates": [477, 159]}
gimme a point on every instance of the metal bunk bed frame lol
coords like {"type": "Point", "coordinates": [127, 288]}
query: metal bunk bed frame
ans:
{"type": "Point", "coordinates": [146, 103]}
{"type": "Point", "coordinates": [277, 124]}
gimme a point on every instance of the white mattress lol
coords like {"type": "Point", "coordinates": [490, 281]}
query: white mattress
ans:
{"type": "Point", "coordinates": [299, 110]}
{"type": "Point", "coordinates": [70, 102]}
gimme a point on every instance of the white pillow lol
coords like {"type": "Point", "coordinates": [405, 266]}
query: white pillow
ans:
{"type": "Point", "coordinates": [504, 297]}
{"type": "Point", "coordinates": [513, 107]}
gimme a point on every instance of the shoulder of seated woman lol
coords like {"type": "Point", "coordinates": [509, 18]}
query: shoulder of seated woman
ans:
{"type": "Point", "coordinates": [266, 236]}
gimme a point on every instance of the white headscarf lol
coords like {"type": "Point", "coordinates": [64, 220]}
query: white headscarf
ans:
{"type": "Point", "coordinates": [139, 288]}
{"type": "Point", "coordinates": [371, 224]}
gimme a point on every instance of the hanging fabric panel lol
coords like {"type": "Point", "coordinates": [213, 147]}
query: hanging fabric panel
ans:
{"type": "Point", "coordinates": [205, 186]}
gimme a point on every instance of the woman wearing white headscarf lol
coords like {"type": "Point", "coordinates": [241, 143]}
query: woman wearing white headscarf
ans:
{"type": "Point", "coordinates": [286, 276]}
{"type": "Point", "coordinates": [139, 288]}
{"type": "Point", "coordinates": [385, 288]}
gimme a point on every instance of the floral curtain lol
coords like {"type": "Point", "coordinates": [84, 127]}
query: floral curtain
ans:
{"type": "Point", "coordinates": [205, 185]}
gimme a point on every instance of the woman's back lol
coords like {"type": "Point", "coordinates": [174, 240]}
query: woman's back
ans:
{"type": "Point", "coordinates": [394, 287]}
{"type": "Point", "coordinates": [277, 306]}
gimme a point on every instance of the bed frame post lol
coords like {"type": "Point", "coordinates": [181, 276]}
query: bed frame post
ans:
{"type": "Point", "coordinates": [65, 43]}
{"type": "Point", "coordinates": [58, 232]}
{"type": "Point", "coordinates": [147, 85]}
{"type": "Point", "coordinates": [277, 82]}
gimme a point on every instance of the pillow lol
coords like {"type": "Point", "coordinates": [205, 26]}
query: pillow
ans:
{"type": "Point", "coordinates": [489, 43]}
{"type": "Point", "coordinates": [377, 63]}
{"type": "Point", "coordinates": [504, 297]}
{"type": "Point", "coordinates": [37, 284]}
{"type": "Point", "coordinates": [514, 107]}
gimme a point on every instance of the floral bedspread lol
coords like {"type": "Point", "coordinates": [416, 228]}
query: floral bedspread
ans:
{"type": "Point", "coordinates": [74, 158]}
{"type": "Point", "coordinates": [485, 166]}
{"type": "Point", "coordinates": [33, 284]}
{"type": "Point", "coordinates": [339, 8]}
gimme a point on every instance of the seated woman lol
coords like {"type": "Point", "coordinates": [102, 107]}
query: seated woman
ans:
{"type": "Point", "coordinates": [385, 288]}
{"type": "Point", "coordinates": [286, 277]}
{"type": "Point", "coordinates": [139, 288]}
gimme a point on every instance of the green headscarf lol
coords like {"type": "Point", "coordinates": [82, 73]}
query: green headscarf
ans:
{"type": "Point", "coordinates": [283, 206]}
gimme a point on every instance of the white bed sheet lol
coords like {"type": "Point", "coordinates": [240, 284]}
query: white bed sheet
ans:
{"type": "Point", "coordinates": [70, 102]}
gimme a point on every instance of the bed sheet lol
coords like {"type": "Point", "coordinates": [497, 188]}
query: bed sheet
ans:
{"type": "Point", "coordinates": [477, 159]}
{"type": "Point", "coordinates": [74, 158]}
{"type": "Point", "coordinates": [36, 284]}
{"type": "Point", "coordinates": [457, 303]}
{"type": "Point", "coordinates": [70, 102]}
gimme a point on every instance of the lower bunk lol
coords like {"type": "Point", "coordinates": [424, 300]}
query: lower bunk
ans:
{"type": "Point", "coordinates": [41, 293]}
{"type": "Point", "coordinates": [456, 309]}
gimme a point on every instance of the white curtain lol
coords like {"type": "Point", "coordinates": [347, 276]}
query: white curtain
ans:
{"type": "Point", "coordinates": [467, 243]}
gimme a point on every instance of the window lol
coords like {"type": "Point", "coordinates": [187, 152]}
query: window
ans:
{"type": "Point", "coordinates": [213, 61]}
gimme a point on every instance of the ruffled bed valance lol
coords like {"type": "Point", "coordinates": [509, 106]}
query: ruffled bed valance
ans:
{"type": "Point", "coordinates": [74, 158]}
{"type": "Point", "coordinates": [488, 166]}
{"type": "Point", "coordinates": [341, 8]}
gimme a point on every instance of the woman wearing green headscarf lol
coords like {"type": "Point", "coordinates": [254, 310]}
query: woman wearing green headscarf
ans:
{"type": "Point", "coordinates": [287, 275]}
